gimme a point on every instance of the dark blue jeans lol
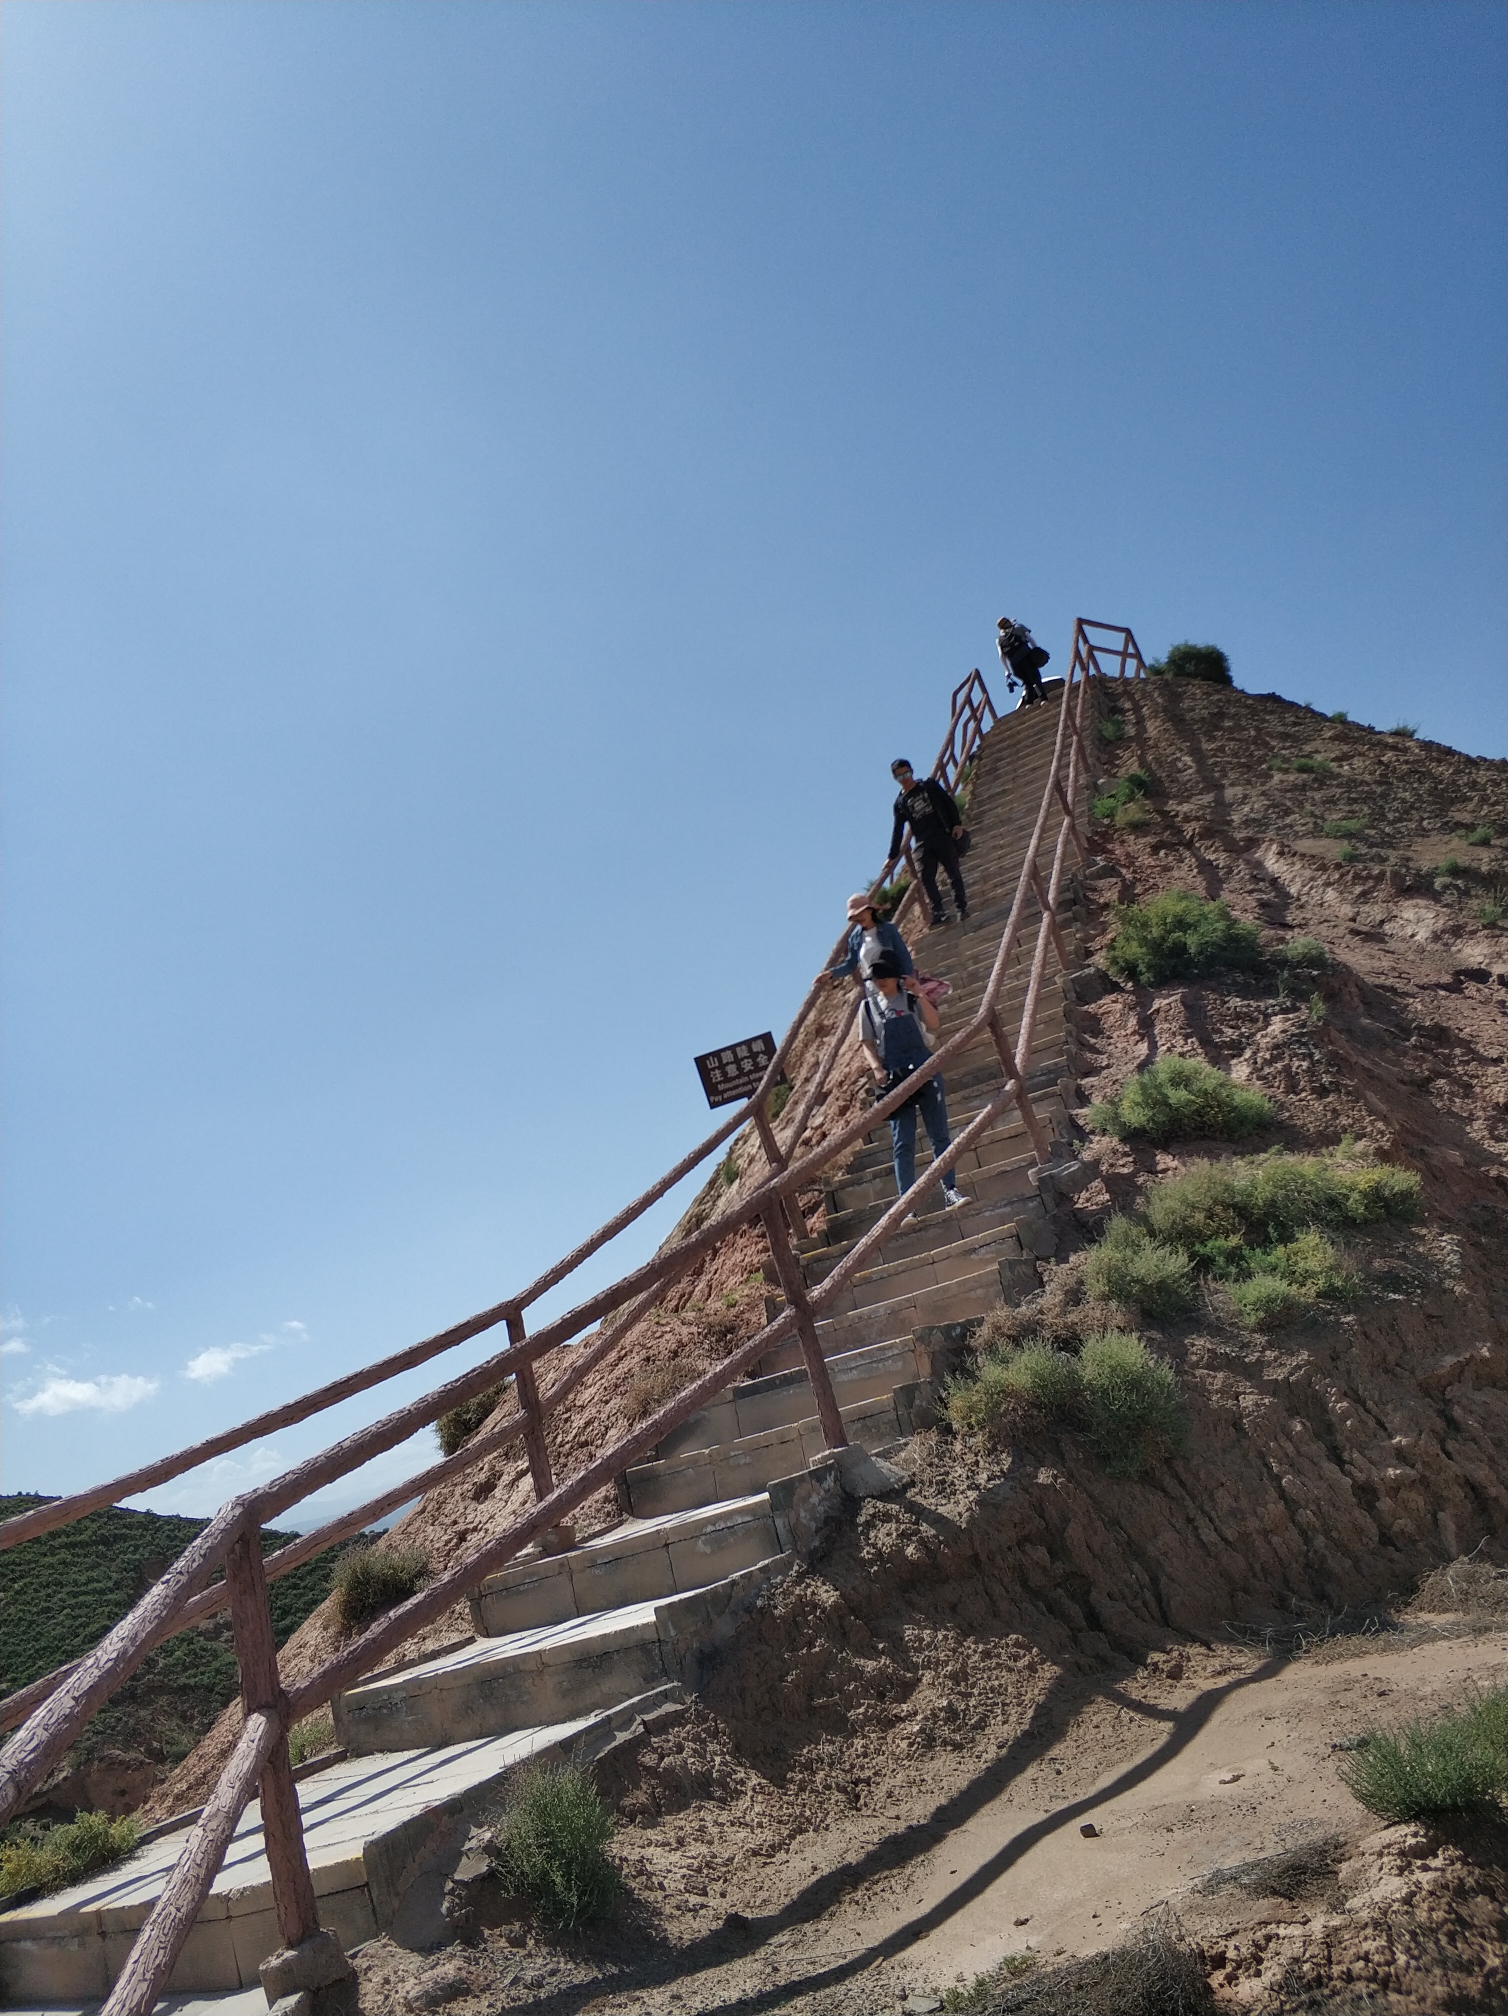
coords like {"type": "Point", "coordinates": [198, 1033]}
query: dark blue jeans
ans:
{"type": "Point", "coordinates": [933, 1108]}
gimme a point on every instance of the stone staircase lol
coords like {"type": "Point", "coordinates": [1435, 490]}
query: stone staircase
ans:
{"type": "Point", "coordinates": [573, 1648]}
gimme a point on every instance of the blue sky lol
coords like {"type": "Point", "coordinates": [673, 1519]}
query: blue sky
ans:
{"type": "Point", "coordinates": [488, 488]}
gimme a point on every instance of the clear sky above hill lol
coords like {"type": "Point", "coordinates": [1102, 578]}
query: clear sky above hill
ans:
{"type": "Point", "coordinates": [488, 489]}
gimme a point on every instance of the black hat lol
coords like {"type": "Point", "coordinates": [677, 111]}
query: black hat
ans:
{"type": "Point", "coordinates": [886, 967]}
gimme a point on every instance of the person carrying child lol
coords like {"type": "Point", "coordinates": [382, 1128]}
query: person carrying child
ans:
{"type": "Point", "coordinates": [891, 1022]}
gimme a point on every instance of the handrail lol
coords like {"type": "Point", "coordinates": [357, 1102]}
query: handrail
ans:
{"type": "Point", "coordinates": [179, 1598]}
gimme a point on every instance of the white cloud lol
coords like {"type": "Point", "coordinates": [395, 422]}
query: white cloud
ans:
{"type": "Point", "coordinates": [136, 1302]}
{"type": "Point", "coordinates": [112, 1394]}
{"type": "Point", "coordinates": [14, 1347]}
{"type": "Point", "coordinates": [220, 1360]}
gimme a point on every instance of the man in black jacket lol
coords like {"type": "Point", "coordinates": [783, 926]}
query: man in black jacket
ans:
{"type": "Point", "coordinates": [1023, 658]}
{"type": "Point", "coordinates": [937, 826]}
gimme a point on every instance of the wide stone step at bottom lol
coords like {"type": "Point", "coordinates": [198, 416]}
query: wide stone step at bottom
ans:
{"type": "Point", "coordinates": [373, 1827]}
{"type": "Point", "coordinates": [636, 1562]}
{"type": "Point", "coordinates": [494, 1685]}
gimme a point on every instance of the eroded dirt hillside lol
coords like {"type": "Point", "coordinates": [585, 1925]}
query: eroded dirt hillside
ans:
{"type": "Point", "coordinates": [1001, 1630]}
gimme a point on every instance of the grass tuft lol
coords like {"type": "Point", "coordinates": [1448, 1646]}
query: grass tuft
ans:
{"type": "Point", "coordinates": [311, 1737]}
{"type": "Point", "coordinates": [1110, 804]}
{"type": "Point", "coordinates": [1488, 912]}
{"type": "Point", "coordinates": [1407, 729]}
{"type": "Point", "coordinates": [648, 1391]}
{"type": "Point", "coordinates": [1132, 1406]}
{"type": "Point", "coordinates": [1457, 1763]}
{"type": "Point", "coordinates": [1313, 766]}
{"type": "Point", "coordinates": [1343, 829]}
{"type": "Point", "coordinates": [1340, 714]}
{"type": "Point", "coordinates": [550, 1847]}
{"type": "Point", "coordinates": [1178, 936]}
{"type": "Point", "coordinates": [370, 1581]}
{"type": "Point", "coordinates": [1476, 836]}
{"type": "Point", "coordinates": [38, 1857]}
{"type": "Point", "coordinates": [1113, 729]}
{"type": "Point", "coordinates": [1127, 1402]}
{"type": "Point", "coordinates": [1155, 1973]}
{"type": "Point", "coordinates": [1179, 1098]}
{"type": "Point", "coordinates": [1139, 1272]}
{"type": "Point", "coordinates": [1349, 853]}
{"type": "Point", "coordinates": [1303, 955]}
{"type": "Point", "coordinates": [461, 1423]}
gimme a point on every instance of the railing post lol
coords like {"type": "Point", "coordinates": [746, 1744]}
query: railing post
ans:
{"type": "Point", "coordinates": [1059, 945]}
{"type": "Point", "coordinates": [261, 1689]}
{"type": "Point", "coordinates": [1034, 1128]}
{"type": "Point", "coordinates": [788, 1270]}
{"type": "Point", "coordinates": [542, 1475]}
{"type": "Point", "coordinates": [776, 1158]}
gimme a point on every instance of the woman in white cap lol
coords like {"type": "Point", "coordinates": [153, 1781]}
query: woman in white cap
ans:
{"type": "Point", "coordinates": [870, 937]}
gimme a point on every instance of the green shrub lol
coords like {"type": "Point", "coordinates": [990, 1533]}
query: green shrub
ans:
{"type": "Point", "coordinates": [311, 1737]}
{"type": "Point", "coordinates": [370, 1581]}
{"type": "Point", "coordinates": [461, 1423]}
{"type": "Point", "coordinates": [1267, 1200]}
{"type": "Point", "coordinates": [550, 1847]}
{"type": "Point", "coordinates": [1340, 714]}
{"type": "Point", "coordinates": [1457, 1763]}
{"type": "Point", "coordinates": [1113, 729]}
{"type": "Point", "coordinates": [1343, 829]}
{"type": "Point", "coordinates": [1452, 866]}
{"type": "Point", "coordinates": [1407, 729]}
{"type": "Point", "coordinates": [1006, 1389]}
{"type": "Point", "coordinates": [1313, 766]}
{"type": "Point", "coordinates": [1135, 784]}
{"type": "Point", "coordinates": [1349, 853]}
{"type": "Point", "coordinates": [1133, 815]}
{"type": "Point", "coordinates": [50, 1858]}
{"type": "Point", "coordinates": [1285, 1282]}
{"type": "Point", "coordinates": [1133, 1411]}
{"type": "Point", "coordinates": [1478, 836]}
{"type": "Point", "coordinates": [1267, 1302]}
{"type": "Point", "coordinates": [1178, 936]}
{"type": "Point", "coordinates": [1193, 661]}
{"type": "Point", "coordinates": [1178, 1098]}
{"type": "Point", "coordinates": [727, 1169]}
{"type": "Point", "coordinates": [780, 1098]}
{"type": "Point", "coordinates": [1303, 955]}
{"type": "Point", "coordinates": [1126, 1402]}
{"type": "Point", "coordinates": [1488, 912]}
{"type": "Point", "coordinates": [1138, 1272]}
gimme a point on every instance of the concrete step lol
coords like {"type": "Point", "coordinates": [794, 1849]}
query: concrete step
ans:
{"type": "Point", "coordinates": [637, 1562]}
{"type": "Point", "coordinates": [495, 1685]}
{"type": "Point", "coordinates": [860, 1329]}
{"type": "Point", "coordinates": [373, 1828]}
{"type": "Point", "coordinates": [870, 1371]}
{"type": "Point", "coordinates": [995, 1192]}
{"type": "Point", "coordinates": [701, 1476]}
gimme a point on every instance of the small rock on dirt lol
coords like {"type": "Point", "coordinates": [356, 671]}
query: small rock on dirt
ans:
{"type": "Point", "coordinates": [1089, 1831]}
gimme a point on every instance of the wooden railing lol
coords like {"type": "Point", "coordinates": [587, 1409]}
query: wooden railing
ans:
{"type": "Point", "coordinates": [53, 1710]}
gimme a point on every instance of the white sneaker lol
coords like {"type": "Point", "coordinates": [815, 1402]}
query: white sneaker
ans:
{"type": "Point", "coordinates": [909, 1219]}
{"type": "Point", "coordinates": [953, 1198]}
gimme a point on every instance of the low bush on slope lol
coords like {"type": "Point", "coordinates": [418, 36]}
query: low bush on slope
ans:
{"type": "Point", "coordinates": [1257, 1224]}
{"type": "Point", "coordinates": [1180, 1098]}
{"type": "Point", "coordinates": [550, 1847]}
{"type": "Point", "coordinates": [1178, 936]}
{"type": "Point", "coordinates": [1125, 1401]}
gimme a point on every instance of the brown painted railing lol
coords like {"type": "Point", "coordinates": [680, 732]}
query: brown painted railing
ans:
{"type": "Point", "coordinates": [53, 1710]}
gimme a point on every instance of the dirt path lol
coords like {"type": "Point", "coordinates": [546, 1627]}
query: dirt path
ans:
{"type": "Point", "coordinates": [1178, 1779]}
{"type": "Point", "coordinates": [1196, 1762]}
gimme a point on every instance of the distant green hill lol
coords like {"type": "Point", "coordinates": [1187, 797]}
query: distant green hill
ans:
{"type": "Point", "coordinates": [60, 1593]}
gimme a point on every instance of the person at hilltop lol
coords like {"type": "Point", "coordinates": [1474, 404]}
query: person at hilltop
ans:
{"type": "Point", "coordinates": [871, 936]}
{"type": "Point", "coordinates": [891, 1022]}
{"type": "Point", "coordinates": [937, 827]}
{"type": "Point", "coordinates": [1023, 658]}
